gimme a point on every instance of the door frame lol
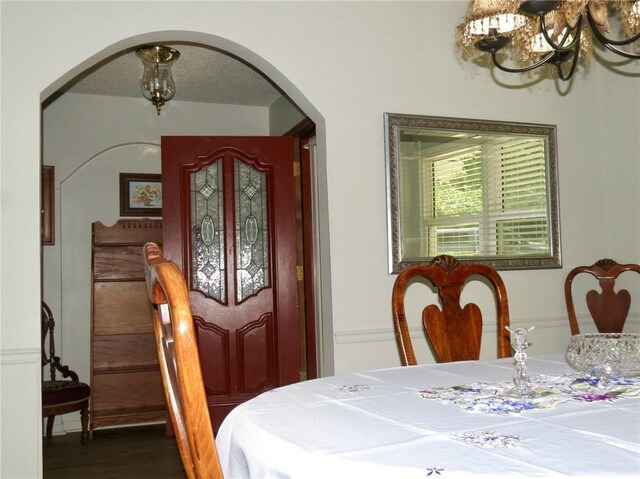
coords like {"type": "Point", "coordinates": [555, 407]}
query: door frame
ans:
{"type": "Point", "coordinates": [304, 131]}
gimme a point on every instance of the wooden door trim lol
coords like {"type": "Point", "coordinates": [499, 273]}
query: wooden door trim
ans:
{"type": "Point", "coordinates": [309, 277]}
{"type": "Point", "coordinates": [304, 131]}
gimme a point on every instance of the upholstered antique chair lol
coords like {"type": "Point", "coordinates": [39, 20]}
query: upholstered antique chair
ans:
{"type": "Point", "coordinates": [62, 392]}
{"type": "Point", "coordinates": [608, 308]}
{"type": "Point", "coordinates": [180, 365]}
{"type": "Point", "coordinates": [454, 332]}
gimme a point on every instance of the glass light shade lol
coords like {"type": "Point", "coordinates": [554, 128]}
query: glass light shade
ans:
{"type": "Point", "coordinates": [497, 24]}
{"type": "Point", "coordinates": [539, 43]}
{"type": "Point", "coordinates": [157, 83]}
{"type": "Point", "coordinates": [493, 17]}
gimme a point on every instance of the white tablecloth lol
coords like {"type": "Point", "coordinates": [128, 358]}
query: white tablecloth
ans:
{"type": "Point", "coordinates": [377, 425]}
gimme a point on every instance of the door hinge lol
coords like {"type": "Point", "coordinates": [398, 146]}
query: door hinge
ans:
{"type": "Point", "coordinates": [303, 375]}
{"type": "Point", "coordinates": [296, 169]}
{"type": "Point", "coordinates": [300, 272]}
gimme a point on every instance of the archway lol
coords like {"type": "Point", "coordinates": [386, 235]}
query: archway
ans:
{"type": "Point", "coordinates": [51, 95]}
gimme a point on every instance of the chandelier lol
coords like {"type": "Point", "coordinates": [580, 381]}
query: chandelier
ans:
{"type": "Point", "coordinates": [157, 82]}
{"type": "Point", "coordinates": [520, 36]}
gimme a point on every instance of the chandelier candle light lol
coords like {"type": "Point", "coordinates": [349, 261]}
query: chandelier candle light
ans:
{"type": "Point", "coordinates": [157, 82]}
{"type": "Point", "coordinates": [547, 32]}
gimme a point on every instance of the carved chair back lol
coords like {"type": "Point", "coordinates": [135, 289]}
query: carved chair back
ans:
{"type": "Point", "coordinates": [608, 308]}
{"type": "Point", "coordinates": [454, 332]}
{"type": "Point", "coordinates": [180, 365]}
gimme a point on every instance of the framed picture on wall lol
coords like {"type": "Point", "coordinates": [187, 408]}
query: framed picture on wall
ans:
{"type": "Point", "coordinates": [140, 194]}
{"type": "Point", "coordinates": [47, 219]}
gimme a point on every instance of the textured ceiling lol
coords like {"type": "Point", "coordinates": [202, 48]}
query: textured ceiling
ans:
{"type": "Point", "coordinates": [201, 75]}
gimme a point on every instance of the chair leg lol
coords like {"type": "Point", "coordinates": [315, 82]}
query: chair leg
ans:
{"type": "Point", "coordinates": [50, 425]}
{"type": "Point", "coordinates": [84, 417]}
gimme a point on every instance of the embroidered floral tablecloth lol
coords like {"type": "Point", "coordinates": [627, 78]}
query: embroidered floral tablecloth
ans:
{"type": "Point", "coordinates": [549, 392]}
{"type": "Point", "coordinates": [376, 424]}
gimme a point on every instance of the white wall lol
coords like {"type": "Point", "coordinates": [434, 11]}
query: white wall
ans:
{"type": "Point", "coordinates": [90, 140]}
{"type": "Point", "coordinates": [344, 64]}
{"type": "Point", "coordinates": [283, 116]}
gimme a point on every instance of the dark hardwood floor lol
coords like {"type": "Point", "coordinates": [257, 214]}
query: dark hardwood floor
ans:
{"type": "Point", "coordinates": [132, 453]}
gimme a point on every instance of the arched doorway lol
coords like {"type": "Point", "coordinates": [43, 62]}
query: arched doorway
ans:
{"type": "Point", "coordinates": [75, 331]}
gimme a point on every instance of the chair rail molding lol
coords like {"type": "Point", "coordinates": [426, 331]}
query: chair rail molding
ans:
{"type": "Point", "coordinates": [20, 356]}
{"type": "Point", "coordinates": [372, 335]}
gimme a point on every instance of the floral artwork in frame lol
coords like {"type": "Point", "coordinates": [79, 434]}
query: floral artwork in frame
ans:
{"type": "Point", "coordinates": [140, 194]}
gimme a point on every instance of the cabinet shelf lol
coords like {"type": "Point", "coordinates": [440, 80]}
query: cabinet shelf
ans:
{"type": "Point", "coordinates": [125, 369]}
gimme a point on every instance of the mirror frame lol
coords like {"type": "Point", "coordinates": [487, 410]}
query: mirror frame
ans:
{"type": "Point", "coordinates": [394, 122]}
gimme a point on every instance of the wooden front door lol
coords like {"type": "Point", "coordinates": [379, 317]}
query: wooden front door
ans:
{"type": "Point", "coordinates": [230, 225]}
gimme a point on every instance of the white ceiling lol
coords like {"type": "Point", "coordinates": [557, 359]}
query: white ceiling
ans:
{"type": "Point", "coordinates": [201, 74]}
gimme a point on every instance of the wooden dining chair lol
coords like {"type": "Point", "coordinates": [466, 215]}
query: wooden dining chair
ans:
{"type": "Point", "coordinates": [62, 391]}
{"type": "Point", "coordinates": [608, 308]}
{"type": "Point", "coordinates": [454, 332]}
{"type": "Point", "coordinates": [180, 365]}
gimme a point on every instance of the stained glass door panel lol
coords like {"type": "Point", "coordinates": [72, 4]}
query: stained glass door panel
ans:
{"type": "Point", "coordinates": [251, 230]}
{"type": "Point", "coordinates": [207, 232]}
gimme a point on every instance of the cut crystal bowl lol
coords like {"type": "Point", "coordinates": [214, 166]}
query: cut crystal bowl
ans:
{"type": "Point", "coordinates": [605, 355]}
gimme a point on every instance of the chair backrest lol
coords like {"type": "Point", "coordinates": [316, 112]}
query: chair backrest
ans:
{"type": "Point", "coordinates": [180, 365]}
{"type": "Point", "coordinates": [48, 348]}
{"type": "Point", "coordinates": [608, 308]}
{"type": "Point", "coordinates": [454, 332]}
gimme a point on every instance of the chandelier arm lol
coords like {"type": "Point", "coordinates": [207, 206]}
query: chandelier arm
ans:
{"type": "Point", "coordinates": [523, 69]}
{"type": "Point", "coordinates": [561, 47]}
{"type": "Point", "coordinates": [622, 53]}
{"type": "Point", "coordinates": [574, 63]}
{"type": "Point", "coordinates": [606, 41]}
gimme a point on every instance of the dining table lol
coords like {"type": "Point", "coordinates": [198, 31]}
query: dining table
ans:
{"type": "Point", "coordinates": [449, 420]}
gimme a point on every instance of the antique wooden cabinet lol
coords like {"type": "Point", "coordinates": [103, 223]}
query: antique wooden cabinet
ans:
{"type": "Point", "coordinates": [126, 386]}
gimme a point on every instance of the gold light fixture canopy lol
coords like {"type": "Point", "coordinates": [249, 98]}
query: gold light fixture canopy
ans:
{"type": "Point", "coordinates": [520, 36]}
{"type": "Point", "coordinates": [157, 82]}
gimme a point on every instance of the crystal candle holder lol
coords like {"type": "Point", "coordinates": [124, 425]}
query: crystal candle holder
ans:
{"type": "Point", "coordinates": [519, 343]}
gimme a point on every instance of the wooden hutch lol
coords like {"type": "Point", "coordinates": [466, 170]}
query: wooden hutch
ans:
{"type": "Point", "coordinates": [126, 386]}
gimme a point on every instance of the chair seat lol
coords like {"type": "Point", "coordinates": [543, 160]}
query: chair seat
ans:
{"type": "Point", "coordinates": [63, 392]}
